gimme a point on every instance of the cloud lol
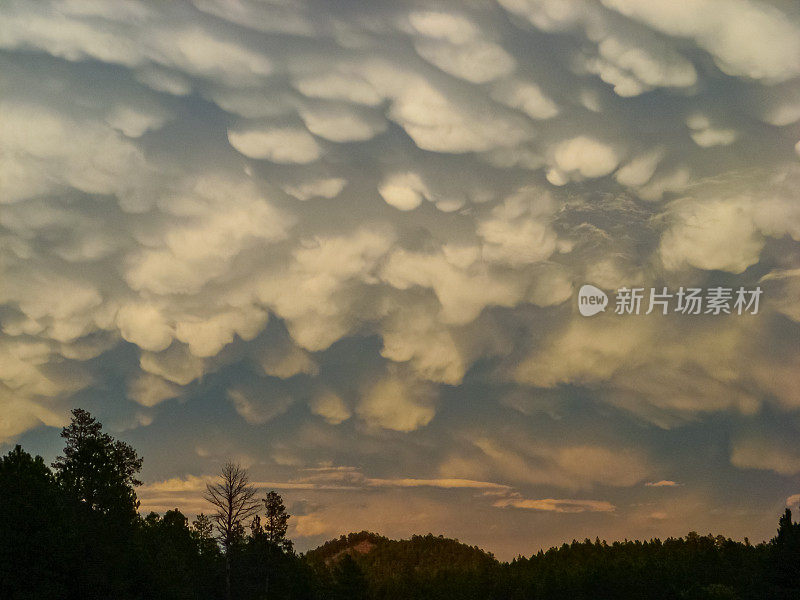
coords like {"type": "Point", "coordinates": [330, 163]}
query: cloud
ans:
{"type": "Point", "coordinates": [767, 454]}
{"type": "Point", "coordinates": [442, 25]}
{"type": "Point", "coordinates": [438, 483]}
{"type": "Point", "coordinates": [175, 364]}
{"type": "Point", "coordinates": [145, 326]}
{"type": "Point", "coordinates": [520, 461]}
{"type": "Point", "coordinates": [518, 231]}
{"type": "Point", "coordinates": [560, 506]}
{"type": "Point", "coordinates": [322, 188]}
{"type": "Point", "coordinates": [149, 390]}
{"type": "Point", "coordinates": [19, 416]}
{"type": "Point", "coordinates": [476, 61]}
{"type": "Point", "coordinates": [462, 293]}
{"type": "Point", "coordinates": [89, 156]}
{"type": "Point", "coordinates": [745, 37]}
{"type": "Point", "coordinates": [586, 157]}
{"type": "Point", "coordinates": [278, 144]}
{"type": "Point", "coordinates": [404, 191]}
{"type": "Point", "coordinates": [366, 228]}
{"type": "Point", "coordinates": [585, 352]}
{"type": "Point", "coordinates": [438, 124]}
{"type": "Point", "coordinates": [330, 407]}
{"type": "Point", "coordinates": [341, 124]}
{"type": "Point", "coordinates": [525, 96]}
{"type": "Point", "coordinates": [206, 337]}
{"type": "Point", "coordinates": [662, 483]}
{"type": "Point", "coordinates": [259, 402]}
{"type": "Point", "coordinates": [397, 405]}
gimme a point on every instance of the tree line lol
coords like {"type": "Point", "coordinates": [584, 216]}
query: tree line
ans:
{"type": "Point", "coordinates": [72, 530]}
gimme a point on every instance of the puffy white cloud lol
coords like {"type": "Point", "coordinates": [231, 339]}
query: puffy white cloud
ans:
{"type": "Point", "coordinates": [518, 232]}
{"type": "Point", "coordinates": [639, 169]}
{"type": "Point", "coordinates": [206, 337]}
{"type": "Point", "coordinates": [150, 390]}
{"type": "Point", "coordinates": [525, 96]}
{"type": "Point", "coordinates": [772, 455]}
{"type": "Point", "coordinates": [342, 125]}
{"type": "Point", "coordinates": [586, 157]}
{"type": "Point", "coordinates": [175, 364]}
{"type": "Point", "coordinates": [705, 135]}
{"type": "Point", "coordinates": [715, 234]}
{"type": "Point", "coordinates": [278, 144]}
{"type": "Point", "coordinates": [462, 293]}
{"type": "Point", "coordinates": [65, 35]}
{"type": "Point", "coordinates": [321, 286]}
{"type": "Point", "coordinates": [134, 122]}
{"type": "Point", "coordinates": [778, 105]}
{"type": "Point", "coordinates": [412, 334]}
{"type": "Point", "coordinates": [73, 34]}
{"type": "Point", "coordinates": [145, 326]}
{"type": "Point", "coordinates": [219, 218]}
{"type": "Point", "coordinates": [652, 63]}
{"type": "Point", "coordinates": [257, 403]}
{"type": "Point", "coordinates": [330, 407]}
{"type": "Point", "coordinates": [394, 404]}
{"type": "Point", "coordinates": [318, 188]}
{"type": "Point", "coordinates": [586, 351]}
{"type": "Point", "coordinates": [437, 124]}
{"type": "Point", "coordinates": [453, 27]}
{"type": "Point", "coordinates": [286, 360]}
{"type": "Point", "coordinates": [477, 61]}
{"type": "Point", "coordinates": [79, 153]}
{"type": "Point", "coordinates": [745, 37]}
{"type": "Point", "coordinates": [345, 85]}
{"type": "Point", "coordinates": [201, 52]}
{"type": "Point", "coordinates": [404, 191]}
{"type": "Point", "coordinates": [20, 415]}
{"type": "Point", "coordinates": [552, 15]}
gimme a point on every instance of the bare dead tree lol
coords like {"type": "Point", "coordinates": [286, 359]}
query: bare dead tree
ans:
{"type": "Point", "coordinates": [235, 501]}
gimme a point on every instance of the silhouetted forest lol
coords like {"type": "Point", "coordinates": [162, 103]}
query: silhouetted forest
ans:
{"type": "Point", "coordinates": [72, 530]}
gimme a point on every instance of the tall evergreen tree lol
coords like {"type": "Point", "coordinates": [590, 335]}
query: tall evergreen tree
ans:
{"type": "Point", "coordinates": [350, 583]}
{"type": "Point", "coordinates": [785, 560]}
{"type": "Point", "coordinates": [36, 535]}
{"type": "Point", "coordinates": [97, 469]}
{"type": "Point", "coordinates": [277, 521]}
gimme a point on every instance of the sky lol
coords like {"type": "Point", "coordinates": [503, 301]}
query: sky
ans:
{"type": "Point", "coordinates": [342, 243]}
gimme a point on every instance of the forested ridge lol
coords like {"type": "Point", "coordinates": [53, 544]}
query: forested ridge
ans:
{"type": "Point", "coordinates": [72, 530]}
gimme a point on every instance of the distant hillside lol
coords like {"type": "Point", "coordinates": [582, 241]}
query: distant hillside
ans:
{"type": "Point", "coordinates": [368, 566]}
{"type": "Point", "coordinates": [383, 560]}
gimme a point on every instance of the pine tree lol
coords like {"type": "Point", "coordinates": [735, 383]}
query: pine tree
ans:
{"type": "Point", "coordinates": [203, 530]}
{"type": "Point", "coordinates": [277, 521]}
{"type": "Point", "coordinates": [97, 469]}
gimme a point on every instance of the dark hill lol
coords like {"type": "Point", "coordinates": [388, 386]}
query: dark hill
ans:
{"type": "Point", "coordinates": [410, 568]}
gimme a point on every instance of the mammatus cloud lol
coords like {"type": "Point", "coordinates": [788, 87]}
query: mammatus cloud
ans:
{"type": "Point", "coordinates": [354, 231]}
{"type": "Point", "coordinates": [392, 404]}
{"type": "Point", "coordinates": [773, 455]}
